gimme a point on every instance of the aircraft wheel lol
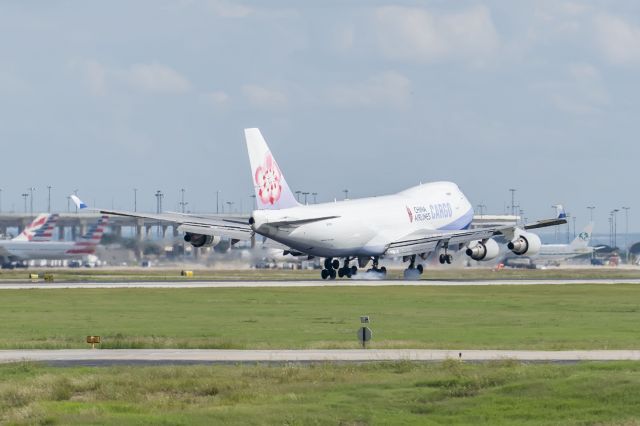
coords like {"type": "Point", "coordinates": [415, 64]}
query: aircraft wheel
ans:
{"type": "Point", "coordinates": [341, 272]}
{"type": "Point", "coordinates": [383, 271]}
{"type": "Point", "coordinates": [442, 259]}
{"type": "Point", "coordinates": [354, 270]}
{"type": "Point", "coordinates": [420, 269]}
{"type": "Point", "coordinates": [327, 263]}
{"type": "Point", "coordinates": [324, 274]}
{"type": "Point", "coordinates": [448, 259]}
{"type": "Point", "coordinates": [335, 264]}
{"type": "Point", "coordinates": [332, 274]}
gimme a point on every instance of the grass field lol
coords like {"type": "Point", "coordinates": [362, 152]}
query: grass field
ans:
{"type": "Point", "coordinates": [350, 394]}
{"type": "Point", "coordinates": [437, 273]}
{"type": "Point", "coordinates": [498, 317]}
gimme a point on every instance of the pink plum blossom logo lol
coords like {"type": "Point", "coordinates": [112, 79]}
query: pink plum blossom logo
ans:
{"type": "Point", "coordinates": [269, 181]}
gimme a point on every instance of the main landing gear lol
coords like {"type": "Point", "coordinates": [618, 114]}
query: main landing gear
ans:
{"type": "Point", "coordinates": [332, 269]}
{"type": "Point", "coordinates": [375, 268]}
{"type": "Point", "coordinates": [445, 258]}
{"type": "Point", "coordinates": [413, 271]}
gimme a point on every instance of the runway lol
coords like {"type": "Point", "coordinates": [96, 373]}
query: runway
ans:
{"type": "Point", "coordinates": [205, 356]}
{"type": "Point", "coordinates": [307, 283]}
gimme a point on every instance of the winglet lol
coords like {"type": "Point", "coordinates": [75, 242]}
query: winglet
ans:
{"type": "Point", "coordinates": [78, 202]}
{"type": "Point", "coordinates": [560, 211]}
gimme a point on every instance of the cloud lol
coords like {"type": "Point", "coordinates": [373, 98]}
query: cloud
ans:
{"type": "Point", "coordinates": [262, 97]}
{"type": "Point", "coordinates": [226, 9]}
{"type": "Point", "coordinates": [411, 33]}
{"type": "Point", "coordinates": [583, 92]}
{"type": "Point", "coordinates": [96, 78]}
{"type": "Point", "coordinates": [148, 78]}
{"type": "Point", "coordinates": [389, 89]}
{"type": "Point", "coordinates": [617, 39]}
{"type": "Point", "coordinates": [156, 78]}
{"type": "Point", "coordinates": [216, 99]}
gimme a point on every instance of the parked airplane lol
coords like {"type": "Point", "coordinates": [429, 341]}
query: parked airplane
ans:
{"type": "Point", "coordinates": [26, 249]}
{"type": "Point", "coordinates": [412, 224]}
{"type": "Point", "coordinates": [41, 229]}
{"type": "Point", "coordinates": [579, 246]}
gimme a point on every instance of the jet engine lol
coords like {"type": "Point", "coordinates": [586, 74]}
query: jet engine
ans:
{"type": "Point", "coordinates": [526, 243]}
{"type": "Point", "coordinates": [484, 250]}
{"type": "Point", "coordinates": [201, 240]}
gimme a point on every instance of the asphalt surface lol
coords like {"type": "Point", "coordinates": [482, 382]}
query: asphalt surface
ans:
{"type": "Point", "coordinates": [204, 356]}
{"type": "Point", "coordinates": [303, 283]}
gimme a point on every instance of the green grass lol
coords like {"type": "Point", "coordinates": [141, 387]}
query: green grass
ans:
{"type": "Point", "coordinates": [507, 317]}
{"type": "Point", "coordinates": [349, 394]}
{"type": "Point", "coordinates": [437, 273]}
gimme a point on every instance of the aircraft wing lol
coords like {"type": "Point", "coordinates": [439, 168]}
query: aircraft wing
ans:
{"type": "Point", "coordinates": [426, 241]}
{"type": "Point", "coordinates": [236, 228]}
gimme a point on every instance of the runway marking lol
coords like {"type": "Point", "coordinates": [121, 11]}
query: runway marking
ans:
{"type": "Point", "coordinates": [98, 356]}
{"type": "Point", "coordinates": [319, 283]}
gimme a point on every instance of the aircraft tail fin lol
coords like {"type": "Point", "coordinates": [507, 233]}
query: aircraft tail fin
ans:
{"type": "Point", "coordinates": [584, 237]}
{"type": "Point", "coordinates": [89, 241]}
{"type": "Point", "coordinates": [272, 190]}
{"type": "Point", "coordinates": [41, 229]}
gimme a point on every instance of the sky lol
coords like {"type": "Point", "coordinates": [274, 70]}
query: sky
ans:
{"type": "Point", "coordinates": [369, 96]}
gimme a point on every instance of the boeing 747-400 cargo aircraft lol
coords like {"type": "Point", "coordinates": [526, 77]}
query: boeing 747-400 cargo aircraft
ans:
{"type": "Point", "coordinates": [431, 218]}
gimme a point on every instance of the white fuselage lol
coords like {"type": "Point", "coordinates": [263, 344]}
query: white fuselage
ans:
{"type": "Point", "coordinates": [26, 250]}
{"type": "Point", "coordinates": [556, 252]}
{"type": "Point", "coordinates": [365, 227]}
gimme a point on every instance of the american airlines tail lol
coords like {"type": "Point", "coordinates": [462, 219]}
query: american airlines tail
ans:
{"type": "Point", "coordinates": [272, 190]}
{"type": "Point", "coordinates": [583, 238]}
{"type": "Point", "coordinates": [88, 242]}
{"type": "Point", "coordinates": [41, 229]}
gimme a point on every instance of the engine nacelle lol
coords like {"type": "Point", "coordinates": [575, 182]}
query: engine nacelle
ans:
{"type": "Point", "coordinates": [484, 250]}
{"type": "Point", "coordinates": [526, 243]}
{"type": "Point", "coordinates": [201, 240]}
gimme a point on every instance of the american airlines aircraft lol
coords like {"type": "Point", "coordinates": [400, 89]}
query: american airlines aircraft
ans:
{"type": "Point", "coordinates": [431, 218]}
{"type": "Point", "coordinates": [25, 249]}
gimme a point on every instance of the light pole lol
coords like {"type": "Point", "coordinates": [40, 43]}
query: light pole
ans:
{"type": "Point", "coordinates": [513, 200]}
{"type": "Point", "coordinates": [253, 201]}
{"type": "Point", "coordinates": [159, 195]}
{"type": "Point", "coordinates": [182, 203]}
{"type": "Point", "coordinates": [346, 194]}
{"type": "Point", "coordinates": [75, 192]}
{"type": "Point", "coordinates": [24, 196]}
{"type": "Point", "coordinates": [626, 230]}
{"type": "Point", "coordinates": [217, 202]}
{"type": "Point", "coordinates": [574, 227]}
{"type": "Point", "coordinates": [315, 194]}
{"type": "Point", "coordinates": [305, 197]}
{"type": "Point", "coordinates": [481, 208]}
{"type": "Point", "coordinates": [615, 227]}
{"type": "Point", "coordinates": [298, 195]}
{"type": "Point", "coordinates": [135, 199]}
{"type": "Point", "coordinates": [591, 208]}
{"type": "Point", "coordinates": [49, 198]}
{"type": "Point", "coordinates": [31, 200]}
{"type": "Point", "coordinates": [230, 204]}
